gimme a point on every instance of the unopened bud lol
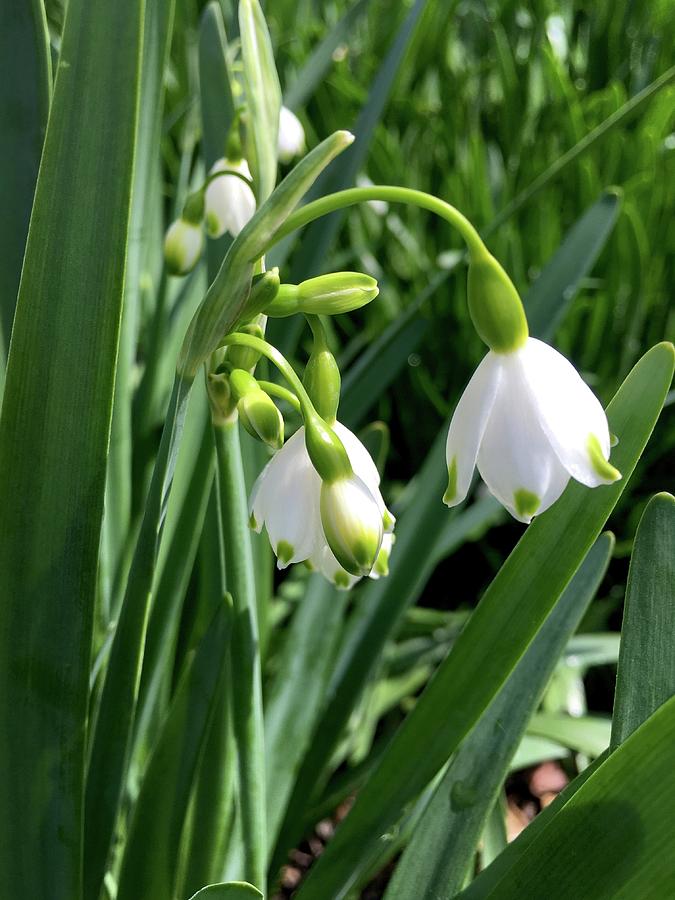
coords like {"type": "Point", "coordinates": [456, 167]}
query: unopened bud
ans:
{"type": "Point", "coordinates": [257, 411]}
{"type": "Point", "coordinates": [328, 295]}
{"type": "Point", "coordinates": [183, 245]}
{"type": "Point", "coordinates": [221, 401]}
{"type": "Point", "coordinates": [245, 357]}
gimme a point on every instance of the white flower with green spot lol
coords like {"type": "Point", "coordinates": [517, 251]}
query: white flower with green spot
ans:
{"type": "Point", "coordinates": [291, 135]}
{"type": "Point", "coordinates": [229, 200]}
{"type": "Point", "coordinates": [529, 423]}
{"type": "Point", "coordinates": [287, 499]}
{"type": "Point", "coordinates": [183, 245]}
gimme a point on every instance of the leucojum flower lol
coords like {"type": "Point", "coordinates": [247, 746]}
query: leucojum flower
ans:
{"type": "Point", "coordinates": [230, 201]}
{"type": "Point", "coordinates": [526, 418]}
{"type": "Point", "coordinates": [291, 135]}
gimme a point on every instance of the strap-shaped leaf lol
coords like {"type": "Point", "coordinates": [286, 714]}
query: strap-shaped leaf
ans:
{"type": "Point", "coordinates": [230, 890]}
{"type": "Point", "coordinates": [499, 631]}
{"type": "Point", "coordinates": [646, 673]}
{"type": "Point", "coordinates": [438, 857]}
{"type": "Point", "coordinates": [53, 443]}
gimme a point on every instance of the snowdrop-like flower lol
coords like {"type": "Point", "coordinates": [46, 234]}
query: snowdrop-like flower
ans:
{"type": "Point", "coordinates": [291, 135]}
{"type": "Point", "coordinates": [530, 423]}
{"type": "Point", "coordinates": [287, 500]}
{"type": "Point", "coordinates": [230, 202]}
{"type": "Point", "coordinates": [183, 245]}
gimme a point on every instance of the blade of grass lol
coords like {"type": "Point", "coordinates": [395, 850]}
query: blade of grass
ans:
{"type": "Point", "coordinates": [53, 441]}
{"type": "Point", "coordinates": [499, 631]}
{"type": "Point", "coordinates": [646, 672]}
{"type": "Point", "coordinates": [443, 845]}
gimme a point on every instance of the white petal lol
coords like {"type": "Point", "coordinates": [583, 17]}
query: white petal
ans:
{"type": "Point", "coordinates": [291, 135]}
{"type": "Point", "coordinates": [362, 462]}
{"type": "Point", "coordinates": [230, 202]}
{"type": "Point", "coordinates": [323, 561]}
{"type": "Point", "coordinates": [569, 412]}
{"type": "Point", "coordinates": [515, 459]}
{"type": "Point", "coordinates": [286, 499]}
{"type": "Point", "coordinates": [468, 425]}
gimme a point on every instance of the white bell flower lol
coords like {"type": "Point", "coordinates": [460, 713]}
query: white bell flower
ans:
{"type": "Point", "coordinates": [286, 499]}
{"type": "Point", "coordinates": [529, 422]}
{"type": "Point", "coordinates": [230, 202]}
{"type": "Point", "coordinates": [291, 135]}
{"type": "Point", "coordinates": [183, 246]}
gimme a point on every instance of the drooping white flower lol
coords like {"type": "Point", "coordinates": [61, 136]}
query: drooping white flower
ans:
{"type": "Point", "coordinates": [230, 202]}
{"type": "Point", "coordinates": [529, 422]}
{"type": "Point", "coordinates": [286, 499]}
{"type": "Point", "coordinates": [291, 135]}
{"type": "Point", "coordinates": [183, 244]}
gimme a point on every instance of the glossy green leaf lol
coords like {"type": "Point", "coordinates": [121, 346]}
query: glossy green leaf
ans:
{"type": "Point", "coordinates": [217, 104]}
{"type": "Point", "coordinates": [443, 845]}
{"type": "Point", "coordinates": [505, 621]}
{"type": "Point", "coordinates": [162, 803]}
{"type": "Point", "coordinates": [614, 835]}
{"type": "Point", "coordinates": [25, 73]}
{"type": "Point", "coordinates": [263, 96]}
{"type": "Point", "coordinates": [646, 673]}
{"type": "Point", "coordinates": [231, 890]}
{"type": "Point", "coordinates": [53, 442]}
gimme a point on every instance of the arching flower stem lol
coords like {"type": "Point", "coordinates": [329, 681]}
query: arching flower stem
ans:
{"type": "Point", "coordinates": [277, 390]}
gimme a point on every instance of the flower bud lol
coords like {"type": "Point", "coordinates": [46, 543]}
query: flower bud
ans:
{"type": "Point", "coordinates": [221, 401]}
{"type": "Point", "coordinates": [328, 295]}
{"type": "Point", "coordinates": [291, 135]}
{"type": "Point", "coordinates": [264, 289]}
{"type": "Point", "coordinates": [495, 307]}
{"type": "Point", "coordinates": [352, 524]}
{"type": "Point", "coordinates": [183, 245]}
{"type": "Point", "coordinates": [257, 411]}
{"type": "Point", "coordinates": [245, 357]}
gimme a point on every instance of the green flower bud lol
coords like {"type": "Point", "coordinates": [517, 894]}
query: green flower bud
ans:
{"type": "Point", "coordinates": [352, 524]}
{"type": "Point", "coordinates": [264, 289]}
{"type": "Point", "coordinates": [244, 357]}
{"type": "Point", "coordinates": [327, 295]}
{"type": "Point", "coordinates": [495, 307]}
{"type": "Point", "coordinates": [322, 382]}
{"type": "Point", "coordinates": [261, 418]}
{"type": "Point", "coordinates": [326, 450]}
{"type": "Point", "coordinates": [183, 246]}
{"type": "Point", "coordinates": [221, 400]}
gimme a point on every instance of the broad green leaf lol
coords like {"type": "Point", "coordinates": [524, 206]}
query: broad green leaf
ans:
{"type": "Point", "coordinates": [231, 890]}
{"type": "Point", "coordinates": [646, 673]}
{"type": "Point", "coordinates": [25, 73]}
{"type": "Point", "coordinates": [317, 66]}
{"type": "Point", "coordinates": [263, 96]}
{"type": "Point", "coordinates": [161, 806]}
{"type": "Point", "coordinates": [217, 104]}
{"type": "Point", "coordinates": [613, 837]}
{"type": "Point", "coordinates": [53, 442]}
{"type": "Point", "coordinates": [482, 886]}
{"type": "Point", "coordinates": [443, 845]}
{"type": "Point", "coordinates": [499, 631]}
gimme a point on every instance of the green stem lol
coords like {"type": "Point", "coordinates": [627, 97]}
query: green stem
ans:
{"type": "Point", "coordinates": [276, 390]}
{"type": "Point", "coordinates": [391, 194]}
{"type": "Point", "coordinates": [247, 712]}
{"type": "Point", "coordinates": [240, 339]}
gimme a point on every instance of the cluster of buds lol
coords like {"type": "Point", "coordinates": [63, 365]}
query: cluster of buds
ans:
{"type": "Point", "coordinates": [226, 201]}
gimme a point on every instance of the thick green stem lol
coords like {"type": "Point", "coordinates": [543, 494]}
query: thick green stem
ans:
{"type": "Point", "coordinates": [247, 713]}
{"type": "Point", "coordinates": [391, 194]}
